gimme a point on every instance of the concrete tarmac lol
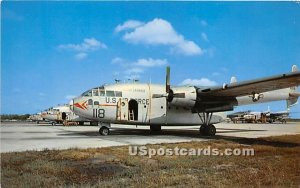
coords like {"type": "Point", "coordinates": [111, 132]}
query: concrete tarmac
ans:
{"type": "Point", "coordinates": [22, 136]}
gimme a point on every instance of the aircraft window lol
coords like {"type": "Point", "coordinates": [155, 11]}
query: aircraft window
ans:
{"type": "Point", "coordinates": [96, 102]}
{"type": "Point", "coordinates": [90, 102]}
{"type": "Point", "coordinates": [118, 93]}
{"type": "Point", "coordinates": [87, 93]}
{"type": "Point", "coordinates": [102, 93]}
{"type": "Point", "coordinates": [95, 92]}
{"type": "Point", "coordinates": [110, 93]}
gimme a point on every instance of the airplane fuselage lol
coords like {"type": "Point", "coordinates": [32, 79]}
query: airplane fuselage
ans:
{"type": "Point", "coordinates": [133, 103]}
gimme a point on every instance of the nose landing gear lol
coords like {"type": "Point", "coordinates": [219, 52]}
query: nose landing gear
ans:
{"type": "Point", "coordinates": [104, 129]}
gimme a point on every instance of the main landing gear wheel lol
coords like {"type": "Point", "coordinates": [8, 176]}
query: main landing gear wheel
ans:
{"type": "Point", "coordinates": [208, 130]}
{"type": "Point", "coordinates": [104, 131]}
{"type": "Point", "coordinates": [202, 129]}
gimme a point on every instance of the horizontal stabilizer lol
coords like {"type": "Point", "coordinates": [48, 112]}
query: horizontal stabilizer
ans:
{"type": "Point", "coordinates": [294, 94]}
{"type": "Point", "coordinates": [291, 102]}
{"type": "Point", "coordinates": [293, 99]}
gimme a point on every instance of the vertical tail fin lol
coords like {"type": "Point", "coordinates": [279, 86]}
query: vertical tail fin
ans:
{"type": "Point", "coordinates": [233, 80]}
{"type": "Point", "coordinates": [295, 68]}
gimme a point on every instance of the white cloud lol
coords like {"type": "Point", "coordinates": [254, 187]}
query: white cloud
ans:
{"type": "Point", "coordinates": [204, 37]}
{"type": "Point", "coordinates": [69, 97]}
{"type": "Point", "coordinates": [161, 32]}
{"type": "Point", "coordinates": [133, 69]}
{"type": "Point", "coordinates": [88, 45]}
{"type": "Point", "coordinates": [151, 62]}
{"type": "Point", "coordinates": [200, 82]}
{"type": "Point", "coordinates": [81, 55]}
{"type": "Point", "coordinates": [189, 48]}
{"type": "Point", "coordinates": [130, 24]}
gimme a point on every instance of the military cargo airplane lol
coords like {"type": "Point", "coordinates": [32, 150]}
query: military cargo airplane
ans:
{"type": "Point", "coordinates": [157, 105]}
{"type": "Point", "coordinates": [36, 117]}
{"type": "Point", "coordinates": [62, 113]}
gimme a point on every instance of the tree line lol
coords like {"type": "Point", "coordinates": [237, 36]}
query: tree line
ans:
{"type": "Point", "coordinates": [14, 116]}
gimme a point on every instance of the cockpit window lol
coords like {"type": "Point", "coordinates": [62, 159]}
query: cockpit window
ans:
{"type": "Point", "coordinates": [87, 93]}
{"type": "Point", "coordinates": [118, 93]}
{"type": "Point", "coordinates": [90, 102]}
{"type": "Point", "coordinates": [95, 92]}
{"type": "Point", "coordinates": [110, 93]}
{"type": "Point", "coordinates": [102, 93]}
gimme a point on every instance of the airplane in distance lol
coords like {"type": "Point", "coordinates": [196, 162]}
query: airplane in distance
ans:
{"type": "Point", "coordinates": [62, 114]}
{"type": "Point", "coordinates": [36, 118]}
{"type": "Point", "coordinates": [157, 105]}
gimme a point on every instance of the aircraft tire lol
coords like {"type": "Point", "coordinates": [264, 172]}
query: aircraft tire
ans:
{"type": "Point", "coordinates": [104, 131]}
{"type": "Point", "coordinates": [210, 130]}
{"type": "Point", "coordinates": [53, 123]}
{"type": "Point", "coordinates": [202, 130]}
{"type": "Point", "coordinates": [155, 128]}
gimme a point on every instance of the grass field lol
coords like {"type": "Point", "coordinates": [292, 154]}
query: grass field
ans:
{"type": "Point", "coordinates": [276, 163]}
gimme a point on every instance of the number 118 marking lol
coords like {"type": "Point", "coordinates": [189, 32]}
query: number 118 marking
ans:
{"type": "Point", "coordinates": [98, 113]}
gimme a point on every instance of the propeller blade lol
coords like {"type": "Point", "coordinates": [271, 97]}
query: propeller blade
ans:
{"type": "Point", "coordinates": [168, 79]}
{"type": "Point", "coordinates": [158, 95]}
{"type": "Point", "coordinates": [179, 95]}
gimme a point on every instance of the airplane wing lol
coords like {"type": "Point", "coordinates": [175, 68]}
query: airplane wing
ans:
{"type": "Point", "coordinates": [223, 98]}
{"type": "Point", "coordinates": [253, 86]}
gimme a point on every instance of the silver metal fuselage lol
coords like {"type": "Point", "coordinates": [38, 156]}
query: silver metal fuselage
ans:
{"type": "Point", "coordinates": [113, 109]}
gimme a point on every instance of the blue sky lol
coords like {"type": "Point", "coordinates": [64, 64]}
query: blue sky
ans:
{"type": "Point", "coordinates": [52, 51]}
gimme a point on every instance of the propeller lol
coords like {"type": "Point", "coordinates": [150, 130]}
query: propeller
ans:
{"type": "Point", "coordinates": [169, 95]}
{"type": "Point", "coordinates": [168, 87]}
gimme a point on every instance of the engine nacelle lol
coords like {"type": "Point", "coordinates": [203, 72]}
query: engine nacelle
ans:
{"type": "Point", "coordinates": [184, 96]}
